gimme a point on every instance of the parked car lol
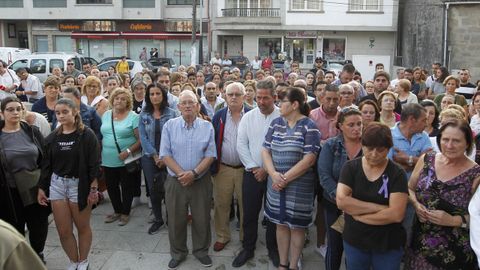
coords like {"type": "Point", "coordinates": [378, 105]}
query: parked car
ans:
{"type": "Point", "coordinates": [160, 62]}
{"type": "Point", "coordinates": [335, 66]}
{"type": "Point", "coordinates": [10, 54]}
{"type": "Point", "coordinates": [111, 58]}
{"type": "Point", "coordinates": [135, 66]}
{"type": "Point", "coordinates": [91, 60]}
{"type": "Point", "coordinates": [41, 64]}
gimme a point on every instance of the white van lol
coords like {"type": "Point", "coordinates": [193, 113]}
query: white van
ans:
{"type": "Point", "coordinates": [41, 64]}
{"type": "Point", "coordinates": [10, 54]}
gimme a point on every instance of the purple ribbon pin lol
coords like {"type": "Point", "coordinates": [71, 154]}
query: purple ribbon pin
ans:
{"type": "Point", "coordinates": [428, 179]}
{"type": "Point", "coordinates": [384, 187]}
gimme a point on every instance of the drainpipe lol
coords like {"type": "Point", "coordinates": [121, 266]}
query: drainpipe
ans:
{"type": "Point", "coordinates": [445, 34]}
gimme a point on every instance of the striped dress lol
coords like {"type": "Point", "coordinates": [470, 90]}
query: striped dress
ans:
{"type": "Point", "coordinates": [293, 206]}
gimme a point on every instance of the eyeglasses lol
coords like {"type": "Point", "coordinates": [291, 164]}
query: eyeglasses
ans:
{"type": "Point", "coordinates": [234, 94]}
{"type": "Point", "coordinates": [188, 103]}
{"type": "Point", "coordinates": [11, 109]}
{"type": "Point", "coordinates": [346, 93]}
{"type": "Point", "coordinates": [69, 64]}
{"type": "Point", "coordinates": [92, 86]}
{"type": "Point", "coordinates": [210, 88]}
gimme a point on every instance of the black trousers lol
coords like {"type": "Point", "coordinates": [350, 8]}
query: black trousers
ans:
{"type": "Point", "coordinates": [121, 187]}
{"type": "Point", "coordinates": [253, 192]}
{"type": "Point", "coordinates": [35, 216]}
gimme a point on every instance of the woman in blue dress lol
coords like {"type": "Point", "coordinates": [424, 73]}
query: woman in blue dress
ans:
{"type": "Point", "coordinates": [290, 150]}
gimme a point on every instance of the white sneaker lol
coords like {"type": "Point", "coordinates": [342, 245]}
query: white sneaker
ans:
{"type": "Point", "coordinates": [136, 202]}
{"type": "Point", "coordinates": [322, 250]}
{"type": "Point", "coordinates": [83, 265]}
{"type": "Point", "coordinates": [72, 266]}
{"type": "Point", "coordinates": [299, 263]}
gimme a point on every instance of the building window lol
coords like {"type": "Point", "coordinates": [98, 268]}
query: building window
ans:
{"type": "Point", "coordinates": [270, 46]}
{"type": "Point", "coordinates": [41, 43]}
{"type": "Point", "coordinates": [63, 44]}
{"type": "Point", "coordinates": [364, 5]}
{"type": "Point", "coordinates": [138, 3]}
{"type": "Point", "coordinates": [305, 5]}
{"type": "Point", "coordinates": [182, 2]}
{"type": "Point", "coordinates": [94, 2]}
{"type": "Point", "coordinates": [49, 3]}
{"type": "Point", "coordinates": [11, 3]}
{"type": "Point", "coordinates": [334, 49]}
{"type": "Point", "coordinates": [249, 4]}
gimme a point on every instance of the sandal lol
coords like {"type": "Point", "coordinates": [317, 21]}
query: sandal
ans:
{"type": "Point", "coordinates": [284, 266]}
{"type": "Point", "coordinates": [112, 217]}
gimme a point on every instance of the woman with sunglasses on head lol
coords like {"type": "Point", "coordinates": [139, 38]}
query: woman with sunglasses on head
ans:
{"type": "Point", "coordinates": [372, 191]}
{"type": "Point", "coordinates": [335, 152]}
{"type": "Point", "coordinates": [152, 118]}
{"type": "Point", "coordinates": [21, 154]}
{"type": "Point", "coordinates": [69, 177]}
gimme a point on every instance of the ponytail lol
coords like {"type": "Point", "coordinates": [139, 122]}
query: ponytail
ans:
{"type": "Point", "coordinates": [304, 109]}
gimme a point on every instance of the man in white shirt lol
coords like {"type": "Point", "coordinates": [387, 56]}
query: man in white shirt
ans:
{"type": "Point", "coordinates": [251, 133]}
{"type": "Point", "coordinates": [432, 78]}
{"type": "Point", "coordinates": [32, 87]}
{"type": "Point", "coordinates": [216, 60]}
{"type": "Point", "coordinates": [400, 75]}
{"type": "Point", "coordinates": [8, 81]}
{"type": "Point", "coordinates": [211, 99]}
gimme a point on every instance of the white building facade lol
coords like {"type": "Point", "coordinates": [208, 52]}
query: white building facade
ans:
{"type": "Point", "coordinates": [363, 31]}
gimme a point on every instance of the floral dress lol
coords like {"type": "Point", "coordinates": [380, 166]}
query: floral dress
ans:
{"type": "Point", "coordinates": [442, 247]}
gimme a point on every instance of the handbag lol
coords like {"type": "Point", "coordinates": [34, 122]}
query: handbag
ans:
{"type": "Point", "coordinates": [339, 224]}
{"type": "Point", "coordinates": [132, 163]}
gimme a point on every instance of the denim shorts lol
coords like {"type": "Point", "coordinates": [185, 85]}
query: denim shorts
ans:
{"type": "Point", "coordinates": [62, 188]}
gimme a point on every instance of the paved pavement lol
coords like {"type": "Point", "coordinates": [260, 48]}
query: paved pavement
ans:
{"type": "Point", "coordinates": [131, 247]}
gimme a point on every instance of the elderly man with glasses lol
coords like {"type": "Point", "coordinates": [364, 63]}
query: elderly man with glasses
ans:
{"type": "Point", "coordinates": [188, 149]}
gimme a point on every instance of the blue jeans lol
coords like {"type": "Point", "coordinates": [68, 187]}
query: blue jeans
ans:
{"type": "Point", "coordinates": [333, 258]}
{"type": "Point", "coordinates": [358, 259]}
{"type": "Point", "coordinates": [155, 178]}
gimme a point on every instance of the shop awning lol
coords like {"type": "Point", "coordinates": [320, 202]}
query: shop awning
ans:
{"type": "Point", "coordinates": [131, 35]}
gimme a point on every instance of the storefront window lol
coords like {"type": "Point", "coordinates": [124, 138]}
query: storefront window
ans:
{"type": "Point", "coordinates": [99, 49]}
{"type": "Point", "coordinates": [41, 43]}
{"type": "Point", "coordinates": [63, 44]}
{"type": "Point", "coordinates": [270, 46]}
{"type": "Point", "coordinates": [135, 46]}
{"type": "Point", "coordinates": [333, 49]}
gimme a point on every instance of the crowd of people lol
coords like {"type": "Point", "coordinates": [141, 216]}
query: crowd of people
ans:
{"type": "Point", "coordinates": [385, 169]}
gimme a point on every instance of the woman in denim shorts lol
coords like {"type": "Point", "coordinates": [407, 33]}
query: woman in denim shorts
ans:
{"type": "Point", "coordinates": [69, 176]}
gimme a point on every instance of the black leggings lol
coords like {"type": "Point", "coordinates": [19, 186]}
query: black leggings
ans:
{"type": "Point", "coordinates": [17, 215]}
{"type": "Point", "coordinates": [121, 186]}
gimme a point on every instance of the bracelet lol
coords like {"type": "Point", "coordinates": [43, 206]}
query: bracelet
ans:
{"type": "Point", "coordinates": [129, 151]}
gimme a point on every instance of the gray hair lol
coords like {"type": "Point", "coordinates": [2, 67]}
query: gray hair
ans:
{"type": "Point", "coordinates": [346, 86]}
{"type": "Point", "coordinates": [237, 86]}
{"type": "Point", "coordinates": [268, 85]}
{"type": "Point", "coordinates": [411, 109]}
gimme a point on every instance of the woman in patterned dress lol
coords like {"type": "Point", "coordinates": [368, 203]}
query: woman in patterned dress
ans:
{"type": "Point", "coordinates": [440, 188]}
{"type": "Point", "coordinates": [290, 150]}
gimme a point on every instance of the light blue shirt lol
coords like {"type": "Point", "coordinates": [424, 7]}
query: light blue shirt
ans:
{"type": "Point", "coordinates": [188, 146]}
{"type": "Point", "coordinates": [172, 101]}
{"type": "Point", "coordinates": [419, 143]}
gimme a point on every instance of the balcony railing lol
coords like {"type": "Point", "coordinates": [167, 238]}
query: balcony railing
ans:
{"type": "Point", "coordinates": [251, 12]}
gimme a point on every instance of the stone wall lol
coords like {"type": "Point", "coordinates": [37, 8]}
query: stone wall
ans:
{"type": "Point", "coordinates": [421, 27]}
{"type": "Point", "coordinates": [464, 38]}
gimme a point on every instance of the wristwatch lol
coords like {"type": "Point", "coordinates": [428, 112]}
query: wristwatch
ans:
{"type": "Point", "coordinates": [410, 161]}
{"type": "Point", "coordinates": [195, 174]}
